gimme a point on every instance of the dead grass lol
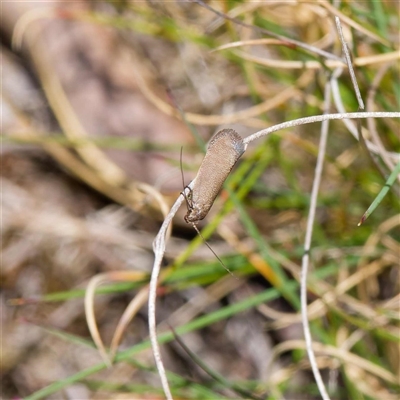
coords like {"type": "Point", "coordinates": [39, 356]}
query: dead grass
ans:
{"type": "Point", "coordinates": [87, 75]}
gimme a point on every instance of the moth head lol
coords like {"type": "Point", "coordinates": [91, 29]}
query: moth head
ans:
{"type": "Point", "coordinates": [195, 214]}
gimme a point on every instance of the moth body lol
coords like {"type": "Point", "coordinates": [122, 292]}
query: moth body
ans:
{"type": "Point", "coordinates": [223, 151]}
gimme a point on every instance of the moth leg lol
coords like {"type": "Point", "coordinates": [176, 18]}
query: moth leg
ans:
{"type": "Point", "coordinates": [188, 198]}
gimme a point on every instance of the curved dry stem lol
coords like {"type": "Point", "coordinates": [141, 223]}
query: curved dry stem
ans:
{"type": "Point", "coordinates": [377, 58]}
{"type": "Point", "coordinates": [159, 199]}
{"type": "Point", "coordinates": [329, 296]}
{"type": "Point", "coordinates": [249, 42]}
{"type": "Point", "coordinates": [67, 118]}
{"type": "Point", "coordinates": [392, 245]}
{"type": "Point", "coordinates": [343, 355]}
{"type": "Point", "coordinates": [134, 306]}
{"type": "Point", "coordinates": [369, 247]}
{"type": "Point", "coordinates": [159, 250]}
{"type": "Point", "coordinates": [25, 20]}
{"type": "Point", "coordinates": [110, 173]}
{"type": "Point", "coordinates": [199, 119]}
{"type": "Point", "coordinates": [284, 64]}
{"type": "Point", "coordinates": [93, 284]}
{"type": "Point", "coordinates": [307, 245]}
{"type": "Point", "coordinates": [316, 65]}
{"type": "Point", "coordinates": [282, 375]}
{"type": "Point", "coordinates": [71, 162]}
{"type": "Point", "coordinates": [159, 243]}
{"type": "Point", "coordinates": [90, 317]}
{"type": "Point", "coordinates": [319, 118]}
{"type": "Point", "coordinates": [373, 148]}
{"type": "Point", "coordinates": [305, 46]}
{"type": "Point", "coordinates": [376, 236]}
{"type": "Point", "coordinates": [368, 385]}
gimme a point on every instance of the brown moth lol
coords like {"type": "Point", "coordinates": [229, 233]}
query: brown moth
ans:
{"type": "Point", "coordinates": [223, 151]}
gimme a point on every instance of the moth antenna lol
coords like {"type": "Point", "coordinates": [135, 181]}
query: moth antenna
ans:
{"type": "Point", "coordinates": [215, 254]}
{"type": "Point", "coordinates": [188, 205]}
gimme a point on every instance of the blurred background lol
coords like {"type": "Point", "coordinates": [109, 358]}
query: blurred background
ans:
{"type": "Point", "coordinates": [97, 100]}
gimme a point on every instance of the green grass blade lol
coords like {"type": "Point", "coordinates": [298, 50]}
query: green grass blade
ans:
{"type": "Point", "coordinates": [201, 322]}
{"type": "Point", "coordinates": [283, 282]}
{"type": "Point", "coordinates": [381, 194]}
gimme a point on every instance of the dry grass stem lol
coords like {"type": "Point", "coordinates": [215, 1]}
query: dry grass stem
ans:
{"type": "Point", "coordinates": [349, 64]}
{"type": "Point", "coordinates": [97, 102]}
{"type": "Point", "coordinates": [383, 153]}
{"type": "Point", "coordinates": [343, 355]}
{"type": "Point", "coordinates": [160, 242]}
{"type": "Point", "coordinates": [302, 45]}
{"type": "Point", "coordinates": [91, 318]}
{"type": "Point", "coordinates": [68, 120]}
{"type": "Point", "coordinates": [108, 172]}
{"type": "Point", "coordinates": [95, 282]}
{"type": "Point", "coordinates": [239, 116]}
{"type": "Point", "coordinates": [352, 23]}
{"type": "Point", "coordinates": [159, 250]}
{"type": "Point", "coordinates": [316, 65]}
{"type": "Point", "coordinates": [319, 118]}
{"type": "Point", "coordinates": [307, 245]}
{"type": "Point", "coordinates": [133, 308]}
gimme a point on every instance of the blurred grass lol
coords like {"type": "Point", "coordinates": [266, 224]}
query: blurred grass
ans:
{"type": "Point", "coordinates": [350, 186]}
{"type": "Point", "coordinates": [112, 142]}
{"type": "Point", "coordinates": [198, 323]}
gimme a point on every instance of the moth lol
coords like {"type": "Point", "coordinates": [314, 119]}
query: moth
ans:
{"type": "Point", "coordinates": [223, 151]}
